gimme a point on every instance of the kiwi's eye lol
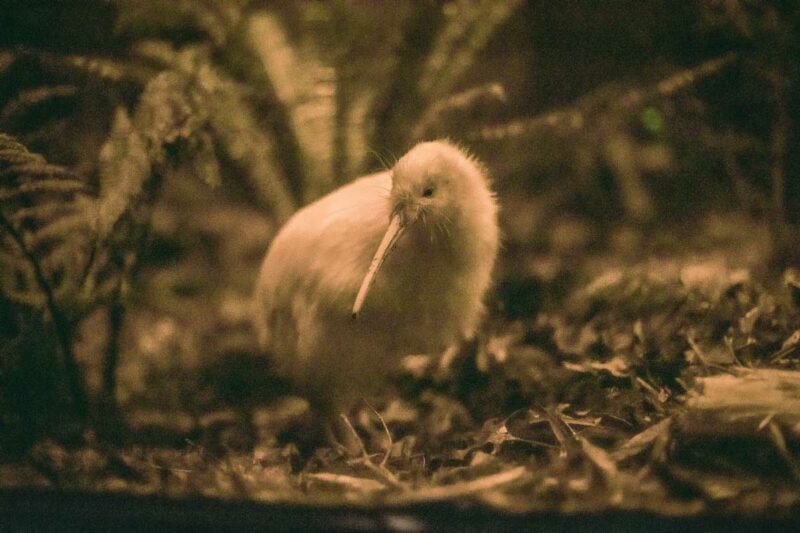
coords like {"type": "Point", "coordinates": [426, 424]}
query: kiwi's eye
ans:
{"type": "Point", "coordinates": [428, 192]}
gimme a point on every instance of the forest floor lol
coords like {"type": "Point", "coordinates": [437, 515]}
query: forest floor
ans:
{"type": "Point", "coordinates": [624, 368]}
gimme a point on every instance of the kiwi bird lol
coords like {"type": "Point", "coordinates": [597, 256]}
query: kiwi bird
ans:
{"type": "Point", "coordinates": [391, 264]}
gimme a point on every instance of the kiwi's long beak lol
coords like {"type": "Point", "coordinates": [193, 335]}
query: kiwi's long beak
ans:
{"type": "Point", "coordinates": [393, 232]}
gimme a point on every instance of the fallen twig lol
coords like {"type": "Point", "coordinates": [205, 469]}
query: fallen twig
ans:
{"type": "Point", "coordinates": [390, 441]}
{"type": "Point", "coordinates": [357, 483]}
{"type": "Point", "coordinates": [460, 490]}
{"type": "Point", "coordinates": [384, 473]}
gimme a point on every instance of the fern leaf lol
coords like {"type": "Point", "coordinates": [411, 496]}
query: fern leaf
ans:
{"type": "Point", "coordinates": [34, 229]}
{"type": "Point", "coordinates": [61, 227]}
{"type": "Point", "coordinates": [28, 99]}
{"type": "Point", "coordinates": [124, 167]}
{"type": "Point", "coordinates": [10, 145]}
{"type": "Point", "coordinates": [50, 179]}
{"type": "Point", "coordinates": [195, 103]}
{"type": "Point", "coordinates": [459, 16]}
{"type": "Point", "coordinates": [156, 51]}
{"type": "Point", "coordinates": [105, 281]}
{"type": "Point", "coordinates": [355, 129]}
{"type": "Point", "coordinates": [42, 268]}
{"type": "Point", "coordinates": [44, 186]}
{"type": "Point", "coordinates": [24, 217]}
{"type": "Point", "coordinates": [574, 117]}
{"type": "Point", "coordinates": [106, 275]}
{"type": "Point", "coordinates": [244, 142]}
{"type": "Point", "coordinates": [18, 281]}
{"type": "Point", "coordinates": [23, 295]}
{"type": "Point", "coordinates": [223, 114]}
{"type": "Point", "coordinates": [398, 104]}
{"type": "Point", "coordinates": [90, 68]}
{"type": "Point", "coordinates": [45, 170]}
{"type": "Point", "coordinates": [468, 29]}
{"type": "Point", "coordinates": [306, 87]}
{"type": "Point", "coordinates": [204, 162]}
{"type": "Point", "coordinates": [518, 144]}
{"type": "Point", "coordinates": [167, 113]}
{"type": "Point", "coordinates": [458, 111]}
{"type": "Point", "coordinates": [16, 157]}
{"type": "Point", "coordinates": [148, 17]}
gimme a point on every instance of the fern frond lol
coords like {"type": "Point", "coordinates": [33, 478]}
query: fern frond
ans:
{"type": "Point", "coordinates": [27, 216]}
{"type": "Point", "coordinates": [15, 156]}
{"type": "Point", "coordinates": [83, 68]}
{"type": "Point", "coordinates": [355, 129]}
{"type": "Point", "coordinates": [46, 185]}
{"type": "Point", "coordinates": [49, 179]}
{"type": "Point", "coordinates": [452, 114]}
{"type": "Point", "coordinates": [44, 252]}
{"type": "Point", "coordinates": [105, 278]}
{"type": "Point", "coordinates": [34, 171]}
{"type": "Point", "coordinates": [10, 145]}
{"type": "Point", "coordinates": [19, 290]}
{"type": "Point", "coordinates": [156, 51]}
{"type": "Point", "coordinates": [195, 103]}
{"type": "Point", "coordinates": [467, 30]}
{"type": "Point", "coordinates": [18, 277]}
{"type": "Point", "coordinates": [575, 117]}
{"type": "Point", "coordinates": [173, 109]}
{"type": "Point", "coordinates": [37, 96]}
{"type": "Point", "coordinates": [34, 227]}
{"type": "Point", "coordinates": [677, 81]}
{"type": "Point", "coordinates": [210, 108]}
{"type": "Point", "coordinates": [459, 17]}
{"type": "Point", "coordinates": [105, 281]}
{"type": "Point", "coordinates": [72, 220]}
{"type": "Point", "coordinates": [244, 142]}
{"type": "Point", "coordinates": [167, 112]}
{"type": "Point", "coordinates": [306, 88]}
{"type": "Point", "coordinates": [148, 17]}
{"type": "Point", "coordinates": [204, 161]}
{"type": "Point", "coordinates": [397, 105]}
{"type": "Point", "coordinates": [124, 167]}
{"type": "Point", "coordinates": [26, 110]}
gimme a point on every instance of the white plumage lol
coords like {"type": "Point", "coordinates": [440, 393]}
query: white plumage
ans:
{"type": "Point", "coordinates": [426, 295]}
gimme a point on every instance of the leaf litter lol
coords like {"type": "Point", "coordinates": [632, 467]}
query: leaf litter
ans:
{"type": "Point", "coordinates": [595, 402]}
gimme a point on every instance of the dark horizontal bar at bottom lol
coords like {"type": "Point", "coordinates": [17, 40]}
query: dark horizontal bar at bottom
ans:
{"type": "Point", "coordinates": [47, 510]}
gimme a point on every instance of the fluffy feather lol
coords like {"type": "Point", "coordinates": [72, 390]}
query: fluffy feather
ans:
{"type": "Point", "coordinates": [427, 295]}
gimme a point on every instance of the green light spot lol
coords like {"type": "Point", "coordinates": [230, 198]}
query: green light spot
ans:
{"type": "Point", "coordinates": [652, 119]}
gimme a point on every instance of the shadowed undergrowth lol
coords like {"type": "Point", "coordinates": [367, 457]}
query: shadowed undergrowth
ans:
{"type": "Point", "coordinates": [578, 406]}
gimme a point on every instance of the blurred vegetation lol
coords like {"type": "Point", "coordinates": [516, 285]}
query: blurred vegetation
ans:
{"type": "Point", "coordinates": [646, 156]}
